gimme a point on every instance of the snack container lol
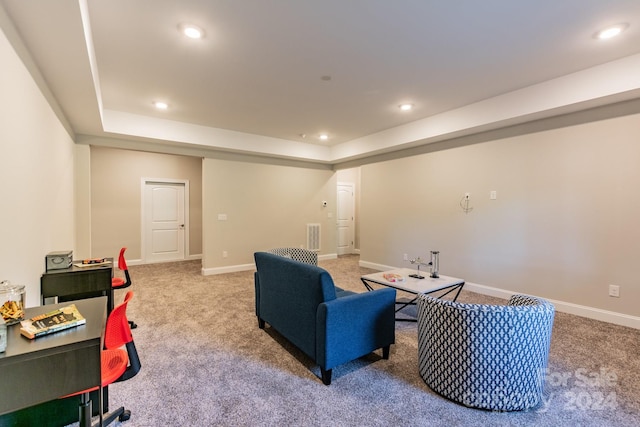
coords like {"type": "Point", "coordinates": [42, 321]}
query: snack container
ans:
{"type": "Point", "coordinates": [12, 302]}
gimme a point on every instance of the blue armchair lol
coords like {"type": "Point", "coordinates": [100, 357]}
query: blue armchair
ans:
{"type": "Point", "coordinates": [330, 325]}
{"type": "Point", "coordinates": [485, 356]}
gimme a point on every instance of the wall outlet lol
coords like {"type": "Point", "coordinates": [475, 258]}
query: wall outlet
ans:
{"type": "Point", "coordinates": [614, 291]}
{"type": "Point", "coordinates": [405, 257]}
{"type": "Point", "coordinates": [224, 254]}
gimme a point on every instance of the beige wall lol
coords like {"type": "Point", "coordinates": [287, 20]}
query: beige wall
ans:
{"type": "Point", "coordinates": [564, 224]}
{"type": "Point", "coordinates": [116, 177]}
{"type": "Point", "coordinates": [266, 206]}
{"type": "Point", "coordinates": [82, 179]}
{"type": "Point", "coordinates": [36, 178]}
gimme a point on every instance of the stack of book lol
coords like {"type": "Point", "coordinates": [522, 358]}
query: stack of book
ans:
{"type": "Point", "coordinates": [53, 321]}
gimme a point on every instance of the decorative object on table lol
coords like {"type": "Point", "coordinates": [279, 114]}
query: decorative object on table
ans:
{"type": "Point", "coordinates": [3, 335]}
{"type": "Point", "coordinates": [418, 261]}
{"type": "Point", "coordinates": [12, 298]}
{"type": "Point", "coordinates": [58, 260]}
{"type": "Point", "coordinates": [485, 356]}
{"type": "Point", "coordinates": [393, 277]}
{"type": "Point", "coordinates": [53, 321]}
{"type": "Point", "coordinates": [435, 264]}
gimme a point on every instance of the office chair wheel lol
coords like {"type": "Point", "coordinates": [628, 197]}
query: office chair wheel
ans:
{"type": "Point", "coordinates": [132, 324]}
{"type": "Point", "coordinates": [125, 415]}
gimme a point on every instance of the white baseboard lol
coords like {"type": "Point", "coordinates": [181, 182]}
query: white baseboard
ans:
{"type": "Point", "coordinates": [140, 262]}
{"type": "Point", "coordinates": [561, 306]}
{"type": "Point", "coordinates": [565, 307]}
{"type": "Point", "coordinates": [252, 266]}
{"type": "Point", "coordinates": [373, 266]}
{"type": "Point", "coordinates": [327, 256]}
{"type": "Point", "coordinates": [227, 269]}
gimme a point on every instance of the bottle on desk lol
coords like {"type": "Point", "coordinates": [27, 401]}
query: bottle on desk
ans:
{"type": "Point", "coordinates": [3, 335]}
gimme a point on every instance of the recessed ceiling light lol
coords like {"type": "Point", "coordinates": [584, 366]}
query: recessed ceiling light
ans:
{"type": "Point", "coordinates": [191, 31]}
{"type": "Point", "coordinates": [612, 31]}
{"type": "Point", "coordinates": [405, 107]}
{"type": "Point", "coordinates": [323, 137]}
{"type": "Point", "coordinates": [161, 105]}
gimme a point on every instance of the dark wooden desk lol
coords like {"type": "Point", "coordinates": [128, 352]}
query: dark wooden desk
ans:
{"type": "Point", "coordinates": [75, 282]}
{"type": "Point", "coordinates": [49, 367]}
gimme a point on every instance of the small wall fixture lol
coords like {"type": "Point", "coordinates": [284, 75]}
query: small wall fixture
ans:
{"type": "Point", "coordinates": [160, 105]}
{"type": "Point", "coordinates": [465, 203]}
{"type": "Point", "coordinates": [405, 107]}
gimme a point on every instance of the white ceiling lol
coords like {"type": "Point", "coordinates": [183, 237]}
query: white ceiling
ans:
{"type": "Point", "coordinates": [258, 80]}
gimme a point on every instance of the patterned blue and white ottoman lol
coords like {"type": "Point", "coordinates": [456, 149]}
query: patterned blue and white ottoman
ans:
{"type": "Point", "coordinates": [485, 356]}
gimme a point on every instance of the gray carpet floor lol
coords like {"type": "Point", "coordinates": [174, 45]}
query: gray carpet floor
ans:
{"type": "Point", "coordinates": [205, 362]}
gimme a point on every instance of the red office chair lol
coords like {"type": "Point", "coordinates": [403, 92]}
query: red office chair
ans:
{"type": "Point", "coordinates": [117, 364]}
{"type": "Point", "coordinates": [119, 282]}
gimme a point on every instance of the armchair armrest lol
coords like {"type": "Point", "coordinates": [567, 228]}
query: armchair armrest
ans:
{"type": "Point", "coordinates": [353, 326]}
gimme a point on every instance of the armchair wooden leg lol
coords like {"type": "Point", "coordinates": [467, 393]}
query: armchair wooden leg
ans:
{"type": "Point", "coordinates": [385, 351]}
{"type": "Point", "coordinates": [326, 376]}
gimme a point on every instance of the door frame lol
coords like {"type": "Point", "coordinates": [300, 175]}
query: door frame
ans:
{"type": "Point", "coordinates": [143, 184]}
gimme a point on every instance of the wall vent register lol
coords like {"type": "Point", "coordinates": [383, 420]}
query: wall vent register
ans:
{"type": "Point", "coordinates": [313, 237]}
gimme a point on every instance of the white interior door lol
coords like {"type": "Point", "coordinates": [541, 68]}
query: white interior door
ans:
{"type": "Point", "coordinates": [164, 221]}
{"type": "Point", "coordinates": [346, 229]}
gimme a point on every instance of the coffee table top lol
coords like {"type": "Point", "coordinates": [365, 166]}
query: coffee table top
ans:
{"type": "Point", "coordinates": [411, 284]}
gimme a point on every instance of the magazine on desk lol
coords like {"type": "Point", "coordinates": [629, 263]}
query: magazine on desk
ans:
{"type": "Point", "coordinates": [393, 277]}
{"type": "Point", "coordinates": [53, 321]}
{"type": "Point", "coordinates": [92, 262]}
